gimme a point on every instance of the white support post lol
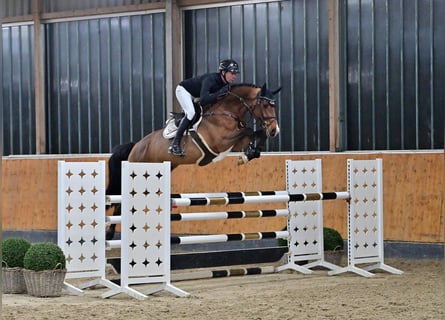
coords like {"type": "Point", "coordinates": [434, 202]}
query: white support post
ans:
{"type": "Point", "coordinates": [81, 222]}
{"type": "Point", "coordinates": [145, 229]}
{"type": "Point", "coordinates": [305, 219]}
{"type": "Point", "coordinates": [365, 219]}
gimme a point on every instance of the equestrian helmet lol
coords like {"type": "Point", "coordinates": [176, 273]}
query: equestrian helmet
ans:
{"type": "Point", "coordinates": [228, 65]}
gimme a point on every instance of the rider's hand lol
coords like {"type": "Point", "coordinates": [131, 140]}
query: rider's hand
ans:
{"type": "Point", "coordinates": [222, 92]}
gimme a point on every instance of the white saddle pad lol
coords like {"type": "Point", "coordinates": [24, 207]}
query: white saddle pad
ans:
{"type": "Point", "coordinates": [171, 128]}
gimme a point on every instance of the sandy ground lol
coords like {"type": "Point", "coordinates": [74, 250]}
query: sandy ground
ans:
{"type": "Point", "coordinates": [415, 295]}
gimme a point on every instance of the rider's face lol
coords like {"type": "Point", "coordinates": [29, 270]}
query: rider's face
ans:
{"type": "Point", "coordinates": [230, 76]}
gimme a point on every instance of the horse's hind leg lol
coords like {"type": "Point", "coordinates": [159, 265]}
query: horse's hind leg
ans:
{"type": "Point", "coordinates": [119, 154]}
{"type": "Point", "coordinates": [109, 235]}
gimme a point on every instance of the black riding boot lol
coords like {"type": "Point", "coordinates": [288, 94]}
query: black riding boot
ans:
{"type": "Point", "coordinates": [175, 148]}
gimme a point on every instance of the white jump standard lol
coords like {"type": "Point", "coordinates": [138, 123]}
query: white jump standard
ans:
{"type": "Point", "coordinates": [146, 203]}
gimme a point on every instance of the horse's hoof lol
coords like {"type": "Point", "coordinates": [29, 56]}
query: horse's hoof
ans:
{"type": "Point", "coordinates": [242, 159]}
{"type": "Point", "coordinates": [252, 154]}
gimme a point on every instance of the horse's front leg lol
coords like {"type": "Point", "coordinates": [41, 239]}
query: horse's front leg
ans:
{"type": "Point", "coordinates": [257, 140]}
{"type": "Point", "coordinates": [256, 144]}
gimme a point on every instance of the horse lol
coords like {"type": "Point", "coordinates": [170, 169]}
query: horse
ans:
{"type": "Point", "coordinates": [217, 130]}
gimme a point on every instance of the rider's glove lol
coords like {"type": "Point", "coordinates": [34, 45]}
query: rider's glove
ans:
{"type": "Point", "coordinates": [222, 92]}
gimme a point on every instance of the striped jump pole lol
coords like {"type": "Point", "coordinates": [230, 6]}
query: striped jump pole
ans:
{"type": "Point", "coordinates": [250, 199]}
{"type": "Point", "coordinates": [110, 199]}
{"type": "Point", "coordinates": [222, 198]}
{"type": "Point", "coordinates": [221, 273]}
{"type": "Point", "coordinates": [228, 237]}
{"type": "Point", "coordinates": [220, 215]}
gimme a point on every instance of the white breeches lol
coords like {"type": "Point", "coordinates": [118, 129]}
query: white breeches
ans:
{"type": "Point", "coordinates": [185, 99]}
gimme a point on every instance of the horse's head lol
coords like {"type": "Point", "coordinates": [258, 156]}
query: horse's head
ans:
{"type": "Point", "coordinates": [265, 111]}
{"type": "Point", "coordinates": [258, 101]}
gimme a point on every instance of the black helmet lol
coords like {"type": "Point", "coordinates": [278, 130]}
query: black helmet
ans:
{"type": "Point", "coordinates": [228, 65]}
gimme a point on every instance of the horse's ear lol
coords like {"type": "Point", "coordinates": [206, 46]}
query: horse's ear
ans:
{"type": "Point", "coordinates": [276, 91]}
{"type": "Point", "coordinates": [263, 89]}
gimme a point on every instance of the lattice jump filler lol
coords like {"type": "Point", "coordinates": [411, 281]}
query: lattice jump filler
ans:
{"type": "Point", "coordinates": [305, 221]}
{"type": "Point", "coordinates": [145, 229]}
{"type": "Point", "coordinates": [365, 218]}
{"type": "Point", "coordinates": [81, 223]}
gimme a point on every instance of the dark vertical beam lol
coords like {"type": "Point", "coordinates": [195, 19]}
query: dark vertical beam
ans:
{"type": "Point", "coordinates": [39, 78]}
{"type": "Point", "coordinates": [2, 14]}
{"type": "Point", "coordinates": [334, 76]}
{"type": "Point", "coordinates": [174, 52]}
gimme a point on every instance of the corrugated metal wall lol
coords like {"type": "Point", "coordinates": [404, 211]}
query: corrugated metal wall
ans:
{"type": "Point", "coordinates": [18, 90]}
{"type": "Point", "coordinates": [281, 43]}
{"type": "Point", "coordinates": [396, 78]}
{"type": "Point", "coordinates": [106, 77]}
{"type": "Point", "coordinates": [106, 82]}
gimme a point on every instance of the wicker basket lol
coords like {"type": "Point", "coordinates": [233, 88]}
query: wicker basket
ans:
{"type": "Point", "coordinates": [334, 256]}
{"type": "Point", "coordinates": [47, 283]}
{"type": "Point", "coordinates": [13, 280]}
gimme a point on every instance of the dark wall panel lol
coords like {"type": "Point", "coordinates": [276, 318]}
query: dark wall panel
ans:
{"type": "Point", "coordinates": [282, 43]}
{"type": "Point", "coordinates": [106, 82]}
{"type": "Point", "coordinates": [106, 77]}
{"type": "Point", "coordinates": [18, 90]}
{"type": "Point", "coordinates": [395, 74]}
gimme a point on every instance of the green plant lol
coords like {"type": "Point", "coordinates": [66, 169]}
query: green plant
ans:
{"type": "Point", "coordinates": [44, 256]}
{"type": "Point", "coordinates": [13, 252]}
{"type": "Point", "coordinates": [332, 239]}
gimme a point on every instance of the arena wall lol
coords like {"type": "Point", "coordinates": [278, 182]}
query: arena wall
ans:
{"type": "Point", "coordinates": [412, 186]}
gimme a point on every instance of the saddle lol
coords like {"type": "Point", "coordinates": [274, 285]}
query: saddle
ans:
{"type": "Point", "coordinates": [172, 123]}
{"type": "Point", "coordinates": [171, 126]}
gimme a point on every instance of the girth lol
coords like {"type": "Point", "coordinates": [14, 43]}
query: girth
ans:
{"type": "Point", "coordinates": [207, 154]}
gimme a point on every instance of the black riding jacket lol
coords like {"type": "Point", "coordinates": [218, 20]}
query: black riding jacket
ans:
{"type": "Point", "coordinates": [205, 87]}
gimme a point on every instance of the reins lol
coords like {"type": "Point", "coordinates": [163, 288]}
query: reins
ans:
{"type": "Point", "coordinates": [242, 124]}
{"type": "Point", "coordinates": [258, 104]}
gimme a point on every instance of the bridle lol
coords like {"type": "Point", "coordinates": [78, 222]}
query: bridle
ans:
{"type": "Point", "coordinates": [265, 121]}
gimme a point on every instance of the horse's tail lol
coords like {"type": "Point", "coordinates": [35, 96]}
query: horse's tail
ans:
{"type": "Point", "coordinates": [119, 153]}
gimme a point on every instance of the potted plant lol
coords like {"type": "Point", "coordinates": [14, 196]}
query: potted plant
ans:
{"type": "Point", "coordinates": [44, 269]}
{"type": "Point", "coordinates": [13, 252]}
{"type": "Point", "coordinates": [333, 245]}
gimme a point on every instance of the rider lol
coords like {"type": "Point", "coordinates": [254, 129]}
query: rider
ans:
{"type": "Point", "coordinates": [209, 88]}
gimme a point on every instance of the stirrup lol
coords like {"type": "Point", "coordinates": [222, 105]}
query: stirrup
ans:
{"type": "Point", "coordinates": [176, 150]}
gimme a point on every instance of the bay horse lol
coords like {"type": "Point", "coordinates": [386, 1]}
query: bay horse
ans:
{"type": "Point", "coordinates": [222, 128]}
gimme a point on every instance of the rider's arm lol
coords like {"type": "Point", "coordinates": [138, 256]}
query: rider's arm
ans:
{"type": "Point", "coordinates": [206, 96]}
